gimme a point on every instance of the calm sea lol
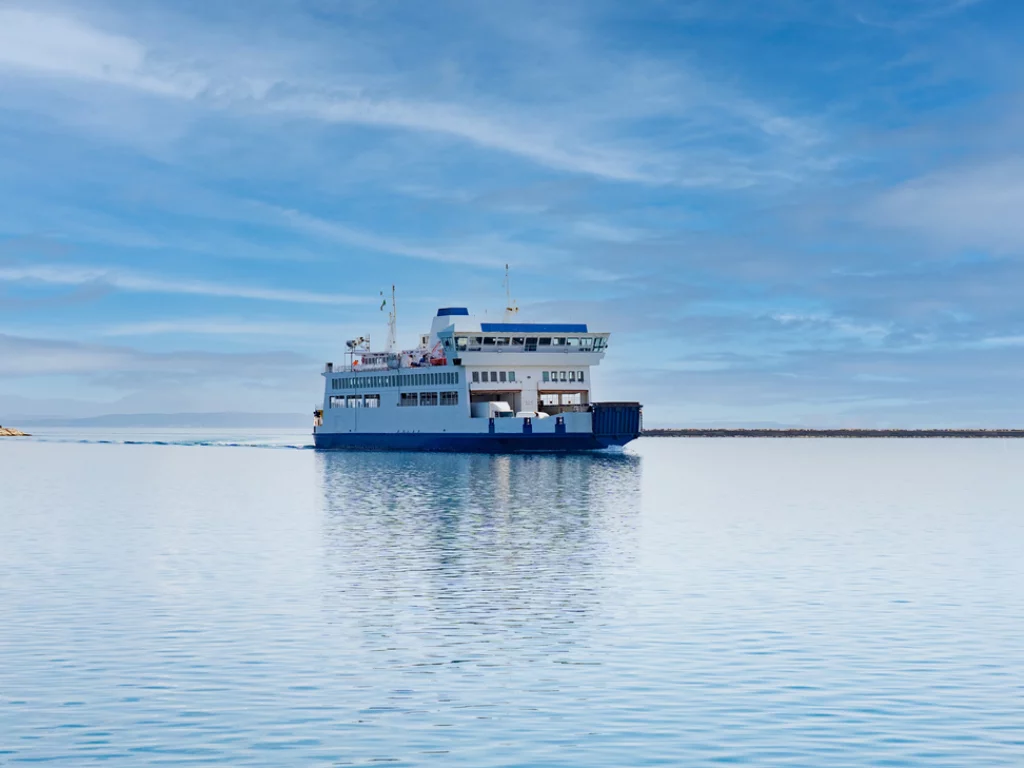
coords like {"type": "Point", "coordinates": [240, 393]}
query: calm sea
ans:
{"type": "Point", "coordinates": [243, 600]}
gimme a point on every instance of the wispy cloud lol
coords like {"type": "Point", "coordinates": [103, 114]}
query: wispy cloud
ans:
{"type": "Point", "coordinates": [140, 283]}
{"type": "Point", "coordinates": [220, 326]}
{"type": "Point", "coordinates": [573, 136]}
{"type": "Point", "coordinates": [29, 356]}
{"type": "Point", "coordinates": [486, 252]}
{"type": "Point", "coordinates": [975, 206]}
{"type": "Point", "coordinates": [62, 46]}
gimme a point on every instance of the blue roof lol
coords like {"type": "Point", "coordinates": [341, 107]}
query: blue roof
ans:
{"type": "Point", "coordinates": [533, 327]}
{"type": "Point", "coordinates": [449, 311]}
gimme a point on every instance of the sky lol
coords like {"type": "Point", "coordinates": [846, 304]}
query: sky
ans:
{"type": "Point", "coordinates": [793, 213]}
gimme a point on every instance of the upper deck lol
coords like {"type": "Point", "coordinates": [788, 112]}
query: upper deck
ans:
{"type": "Point", "coordinates": [456, 338]}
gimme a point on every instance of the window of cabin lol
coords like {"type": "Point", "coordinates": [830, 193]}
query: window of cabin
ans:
{"type": "Point", "coordinates": [494, 377]}
{"type": "Point", "coordinates": [428, 398]}
{"type": "Point", "coordinates": [408, 399]}
{"type": "Point", "coordinates": [561, 375]}
{"type": "Point", "coordinates": [476, 377]}
{"type": "Point", "coordinates": [501, 376]}
{"type": "Point", "coordinates": [355, 401]}
{"type": "Point", "coordinates": [449, 398]}
{"type": "Point", "coordinates": [572, 375]}
{"type": "Point", "coordinates": [372, 401]}
{"type": "Point", "coordinates": [579, 375]}
{"type": "Point", "coordinates": [511, 375]}
{"type": "Point", "coordinates": [545, 376]}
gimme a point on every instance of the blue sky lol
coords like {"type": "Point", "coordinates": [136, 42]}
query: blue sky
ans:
{"type": "Point", "coordinates": [799, 213]}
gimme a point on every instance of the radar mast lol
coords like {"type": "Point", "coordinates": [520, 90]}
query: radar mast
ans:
{"type": "Point", "coordinates": [510, 306]}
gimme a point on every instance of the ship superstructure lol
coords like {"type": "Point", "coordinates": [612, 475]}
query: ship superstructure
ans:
{"type": "Point", "coordinates": [474, 385]}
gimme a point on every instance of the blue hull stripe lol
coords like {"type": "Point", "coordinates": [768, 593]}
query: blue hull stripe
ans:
{"type": "Point", "coordinates": [469, 443]}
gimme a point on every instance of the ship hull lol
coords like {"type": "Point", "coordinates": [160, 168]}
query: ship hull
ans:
{"type": "Point", "coordinates": [469, 443]}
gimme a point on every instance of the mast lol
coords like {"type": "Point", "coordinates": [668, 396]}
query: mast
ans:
{"type": "Point", "coordinates": [510, 306]}
{"type": "Point", "coordinates": [392, 322]}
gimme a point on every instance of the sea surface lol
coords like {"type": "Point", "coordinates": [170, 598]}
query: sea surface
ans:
{"type": "Point", "coordinates": [229, 599]}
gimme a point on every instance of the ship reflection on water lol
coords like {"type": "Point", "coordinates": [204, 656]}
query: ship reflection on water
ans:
{"type": "Point", "coordinates": [443, 557]}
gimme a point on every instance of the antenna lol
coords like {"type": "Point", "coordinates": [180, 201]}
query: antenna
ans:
{"type": "Point", "coordinates": [510, 306]}
{"type": "Point", "coordinates": [392, 322]}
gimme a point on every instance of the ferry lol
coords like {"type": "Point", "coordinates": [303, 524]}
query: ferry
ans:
{"type": "Point", "coordinates": [476, 386]}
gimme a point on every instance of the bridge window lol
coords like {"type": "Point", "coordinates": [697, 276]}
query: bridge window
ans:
{"type": "Point", "coordinates": [488, 341]}
{"type": "Point", "coordinates": [587, 343]}
{"type": "Point", "coordinates": [462, 342]}
{"type": "Point", "coordinates": [517, 341]}
{"type": "Point", "coordinates": [531, 344]}
{"type": "Point", "coordinates": [428, 398]}
{"type": "Point", "coordinates": [600, 343]}
{"type": "Point", "coordinates": [573, 342]}
{"type": "Point", "coordinates": [501, 341]}
{"type": "Point", "coordinates": [449, 398]}
{"type": "Point", "coordinates": [558, 342]}
{"type": "Point", "coordinates": [544, 341]}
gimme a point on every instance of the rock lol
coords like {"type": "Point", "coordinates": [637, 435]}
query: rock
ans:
{"type": "Point", "coordinates": [11, 432]}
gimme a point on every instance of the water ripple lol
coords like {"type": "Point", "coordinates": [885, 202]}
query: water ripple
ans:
{"type": "Point", "coordinates": [697, 602]}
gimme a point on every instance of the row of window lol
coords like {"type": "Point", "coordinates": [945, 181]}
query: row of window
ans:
{"type": "Point", "coordinates": [412, 399]}
{"type": "Point", "coordinates": [561, 376]}
{"type": "Point", "coordinates": [396, 380]}
{"type": "Point", "coordinates": [406, 398]}
{"type": "Point", "coordinates": [494, 376]}
{"type": "Point", "coordinates": [501, 377]}
{"type": "Point", "coordinates": [355, 401]}
{"type": "Point", "coordinates": [531, 343]}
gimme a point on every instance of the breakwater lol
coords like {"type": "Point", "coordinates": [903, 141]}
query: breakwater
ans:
{"type": "Point", "coordinates": [851, 433]}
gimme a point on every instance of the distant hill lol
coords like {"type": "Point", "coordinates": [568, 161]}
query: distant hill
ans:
{"type": "Point", "coordinates": [224, 420]}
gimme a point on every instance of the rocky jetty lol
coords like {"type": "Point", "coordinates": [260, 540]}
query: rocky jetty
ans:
{"type": "Point", "coordinates": [833, 433]}
{"type": "Point", "coordinates": [12, 432]}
